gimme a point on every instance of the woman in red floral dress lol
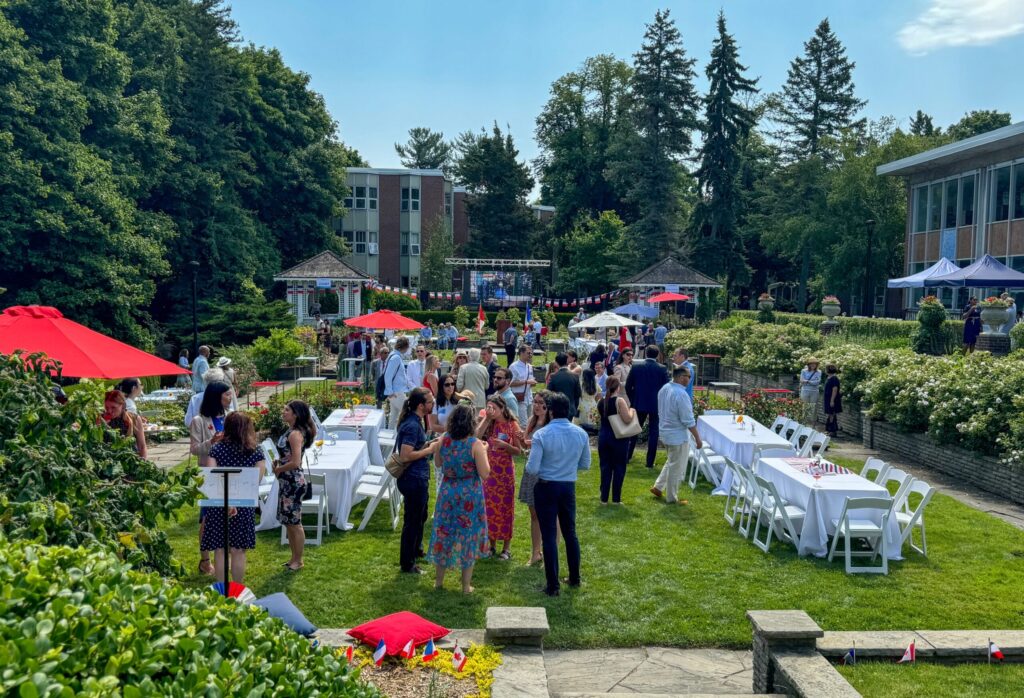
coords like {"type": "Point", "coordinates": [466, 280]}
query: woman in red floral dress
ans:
{"type": "Point", "coordinates": [504, 441]}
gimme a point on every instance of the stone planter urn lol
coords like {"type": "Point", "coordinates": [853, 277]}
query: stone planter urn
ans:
{"type": "Point", "coordinates": [765, 305]}
{"type": "Point", "coordinates": [993, 319]}
{"type": "Point", "coordinates": [830, 310]}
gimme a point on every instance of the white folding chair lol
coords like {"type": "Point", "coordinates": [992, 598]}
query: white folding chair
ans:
{"type": "Point", "coordinates": [788, 429]}
{"type": "Point", "coordinates": [317, 505]}
{"type": "Point", "coordinates": [377, 489]}
{"type": "Point", "coordinates": [779, 517]}
{"type": "Point", "coordinates": [902, 479]}
{"type": "Point", "coordinates": [910, 518]}
{"type": "Point", "coordinates": [800, 436]}
{"type": "Point", "coordinates": [321, 434]}
{"type": "Point", "coordinates": [709, 466]}
{"type": "Point", "coordinates": [874, 469]}
{"type": "Point", "coordinates": [735, 498]}
{"type": "Point", "coordinates": [814, 445]}
{"type": "Point", "coordinates": [752, 496]}
{"type": "Point", "coordinates": [848, 527]}
{"type": "Point", "coordinates": [771, 451]}
{"type": "Point", "coordinates": [712, 413]}
{"type": "Point", "coordinates": [387, 438]}
{"type": "Point", "coordinates": [270, 455]}
{"type": "Point", "coordinates": [780, 421]}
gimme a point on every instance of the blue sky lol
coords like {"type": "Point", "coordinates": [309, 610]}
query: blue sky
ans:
{"type": "Point", "coordinates": [387, 66]}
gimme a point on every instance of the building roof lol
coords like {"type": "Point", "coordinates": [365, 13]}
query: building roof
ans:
{"type": "Point", "coordinates": [325, 265]}
{"type": "Point", "coordinates": [1007, 136]}
{"type": "Point", "coordinates": [394, 171]}
{"type": "Point", "coordinates": [670, 271]}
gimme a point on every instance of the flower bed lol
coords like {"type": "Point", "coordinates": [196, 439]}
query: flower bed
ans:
{"type": "Point", "coordinates": [765, 349]}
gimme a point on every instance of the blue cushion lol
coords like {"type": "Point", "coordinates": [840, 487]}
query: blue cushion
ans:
{"type": "Point", "coordinates": [280, 606]}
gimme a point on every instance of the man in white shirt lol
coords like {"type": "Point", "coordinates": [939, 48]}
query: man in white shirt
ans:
{"type": "Point", "coordinates": [396, 382]}
{"type": "Point", "coordinates": [522, 380]}
{"type": "Point", "coordinates": [537, 327]}
{"type": "Point", "coordinates": [474, 377]}
{"type": "Point", "coordinates": [675, 412]}
{"type": "Point", "coordinates": [417, 367]}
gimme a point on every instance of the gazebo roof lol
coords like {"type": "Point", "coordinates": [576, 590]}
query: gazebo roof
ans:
{"type": "Point", "coordinates": [670, 272]}
{"type": "Point", "coordinates": [325, 265]}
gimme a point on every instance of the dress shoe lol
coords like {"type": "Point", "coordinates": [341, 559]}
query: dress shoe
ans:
{"type": "Point", "coordinates": [415, 569]}
{"type": "Point", "coordinates": [565, 581]}
{"type": "Point", "coordinates": [549, 592]}
{"type": "Point", "coordinates": [656, 492]}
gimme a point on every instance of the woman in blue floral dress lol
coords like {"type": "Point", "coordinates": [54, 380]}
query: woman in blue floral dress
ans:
{"type": "Point", "coordinates": [459, 537]}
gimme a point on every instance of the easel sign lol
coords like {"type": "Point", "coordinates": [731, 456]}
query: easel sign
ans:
{"type": "Point", "coordinates": [243, 487]}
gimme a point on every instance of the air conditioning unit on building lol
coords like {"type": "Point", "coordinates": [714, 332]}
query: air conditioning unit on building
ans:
{"type": "Point", "coordinates": [372, 247]}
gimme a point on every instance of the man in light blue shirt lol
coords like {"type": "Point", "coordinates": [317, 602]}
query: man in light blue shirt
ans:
{"type": "Point", "coordinates": [199, 369]}
{"type": "Point", "coordinates": [557, 453]}
{"type": "Point", "coordinates": [659, 335]}
{"type": "Point", "coordinates": [681, 358]}
{"type": "Point", "coordinates": [675, 412]}
{"type": "Point", "coordinates": [396, 382]}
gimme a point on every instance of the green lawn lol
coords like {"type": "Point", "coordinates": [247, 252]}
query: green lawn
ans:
{"type": "Point", "coordinates": [924, 680]}
{"type": "Point", "coordinates": [659, 575]}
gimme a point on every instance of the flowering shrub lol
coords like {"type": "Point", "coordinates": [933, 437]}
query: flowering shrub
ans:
{"type": "Point", "coordinates": [772, 350]}
{"type": "Point", "coordinates": [766, 297]}
{"type": "Point", "coordinates": [830, 300]}
{"type": "Point", "coordinates": [856, 364]}
{"type": "Point", "coordinates": [765, 408]}
{"type": "Point", "coordinates": [700, 340]}
{"type": "Point", "coordinates": [1017, 336]}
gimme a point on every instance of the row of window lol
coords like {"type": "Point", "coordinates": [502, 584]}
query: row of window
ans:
{"type": "Point", "coordinates": [951, 203]}
{"type": "Point", "coordinates": [410, 199]}
{"type": "Point", "coordinates": [363, 198]}
{"type": "Point", "coordinates": [410, 244]}
{"type": "Point", "coordinates": [363, 242]}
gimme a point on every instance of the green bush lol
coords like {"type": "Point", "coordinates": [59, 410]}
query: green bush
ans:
{"type": "Point", "coordinates": [379, 300]}
{"type": "Point", "coordinates": [1017, 336]}
{"type": "Point", "coordinates": [929, 337]}
{"type": "Point", "coordinates": [514, 317]}
{"type": "Point", "coordinates": [699, 340]}
{"type": "Point", "coordinates": [271, 353]}
{"type": "Point", "coordinates": [242, 362]}
{"type": "Point", "coordinates": [81, 622]}
{"type": "Point", "coordinates": [460, 317]}
{"type": "Point", "coordinates": [66, 480]}
{"type": "Point", "coordinates": [773, 350]}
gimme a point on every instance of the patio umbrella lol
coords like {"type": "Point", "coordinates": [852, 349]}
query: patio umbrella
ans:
{"type": "Point", "coordinates": [668, 296]}
{"type": "Point", "coordinates": [384, 320]}
{"type": "Point", "coordinates": [637, 309]}
{"type": "Point", "coordinates": [83, 353]}
{"type": "Point", "coordinates": [607, 319]}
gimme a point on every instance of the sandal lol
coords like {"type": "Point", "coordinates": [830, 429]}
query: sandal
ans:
{"type": "Point", "coordinates": [205, 566]}
{"type": "Point", "coordinates": [505, 555]}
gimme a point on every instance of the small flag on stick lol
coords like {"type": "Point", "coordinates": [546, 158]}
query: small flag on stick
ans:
{"type": "Point", "coordinates": [994, 652]}
{"type": "Point", "coordinates": [409, 651]}
{"type": "Point", "coordinates": [349, 653]}
{"type": "Point", "coordinates": [850, 658]}
{"type": "Point", "coordinates": [910, 655]}
{"type": "Point", "coordinates": [378, 654]}
{"type": "Point", "coordinates": [458, 657]}
{"type": "Point", "coordinates": [429, 651]}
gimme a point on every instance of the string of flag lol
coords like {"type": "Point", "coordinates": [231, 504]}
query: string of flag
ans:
{"type": "Point", "coordinates": [430, 653]}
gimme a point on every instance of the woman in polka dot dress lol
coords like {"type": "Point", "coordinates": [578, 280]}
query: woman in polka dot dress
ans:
{"type": "Point", "coordinates": [236, 450]}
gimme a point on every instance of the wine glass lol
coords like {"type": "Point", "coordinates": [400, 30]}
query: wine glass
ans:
{"type": "Point", "coordinates": [732, 413]}
{"type": "Point", "coordinates": [816, 474]}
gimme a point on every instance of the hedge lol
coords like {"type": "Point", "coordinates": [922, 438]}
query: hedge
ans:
{"type": "Point", "coordinates": [866, 329]}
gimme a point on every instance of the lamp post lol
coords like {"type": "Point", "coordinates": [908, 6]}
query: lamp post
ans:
{"type": "Point", "coordinates": [195, 318]}
{"type": "Point", "coordinates": [868, 306]}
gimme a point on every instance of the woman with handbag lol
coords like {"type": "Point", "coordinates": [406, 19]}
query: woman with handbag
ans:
{"type": "Point", "coordinates": [414, 482]}
{"type": "Point", "coordinates": [291, 482]}
{"type": "Point", "coordinates": [618, 424]}
{"type": "Point", "coordinates": [459, 537]}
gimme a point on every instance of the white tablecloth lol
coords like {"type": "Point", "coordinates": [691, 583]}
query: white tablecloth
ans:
{"type": "Point", "coordinates": [343, 463]}
{"type": "Point", "coordinates": [825, 503]}
{"type": "Point", "coordinates": [726, 438]}
{"type": "Point", "coordinates": [368, 430]}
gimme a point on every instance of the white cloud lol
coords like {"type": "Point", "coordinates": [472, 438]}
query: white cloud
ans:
{"type": "Point", "coordinates": [962, 23]}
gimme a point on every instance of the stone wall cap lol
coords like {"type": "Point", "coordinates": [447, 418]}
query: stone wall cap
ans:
{"type": "Point", "coordinates": [784, 625]}
{"type": "Point", "coordinates": [517, 621]}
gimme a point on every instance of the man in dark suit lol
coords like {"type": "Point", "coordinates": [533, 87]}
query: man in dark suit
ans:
{"type": "Point", "coordinates": [645, 379]}
{"type": "Point", "coordinates": [568, 384]}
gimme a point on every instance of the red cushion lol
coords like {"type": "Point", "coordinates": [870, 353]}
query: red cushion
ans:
{"type": "Point", "coordinates": [397, 629]}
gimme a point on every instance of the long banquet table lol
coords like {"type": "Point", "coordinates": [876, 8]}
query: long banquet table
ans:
{"type": "Point", "coordinates": [365, 423]}
{"type": "Point", "coordinates": [824, 502]}
{"type": "Point", "coordinates": [726, 438]}
{"type": "Point", "coordinates": [343, 462]}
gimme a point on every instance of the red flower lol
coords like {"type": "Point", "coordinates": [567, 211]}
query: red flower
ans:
{"type": "Point", "coordinates": [468, 506]}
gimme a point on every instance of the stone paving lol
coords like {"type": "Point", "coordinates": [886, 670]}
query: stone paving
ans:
{"type": "Point", "coordinates": [651, 670]}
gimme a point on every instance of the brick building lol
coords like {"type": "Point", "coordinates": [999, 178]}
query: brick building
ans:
{"type": "Point", "coordinates": [964, 200]}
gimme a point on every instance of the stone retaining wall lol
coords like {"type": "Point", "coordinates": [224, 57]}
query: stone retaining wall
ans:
{"type": "Point", "coordinates": [984, 472]}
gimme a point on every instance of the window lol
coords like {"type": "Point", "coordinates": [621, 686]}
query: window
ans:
{"type": "Point", "coordinates": [448, 204]}
{"type": "Point", "coordinates": [415, 199]}
{"type": "Point", "coordinates": [920, 209]}
{"type": "Point", "coordinates": [360, 242]}
{"type": "Point", "coordinates": [373, 236]}
{"type": "Point", "coordinates": [348, 235]}
{"type": "Point", "coordinates": [1018, 190]}
{"type": "Point", "coordinates": [373, 198]}
{"type": "Point", "coordinates": [1001, 194]}
{"type": "Point", "coordinates": [414, 282]}
{"type": "Point", "coordinates": [405, 245]}
{"type": "Point", "coordinates": [405, 281]}
{"type": "Point", "coordinates": [935, 206]}
{"type": "Point", "coordinates": [967, 201]}
{"type": "Point", "coordinates": [414, 247]}
{"type": "Point", "coordinates": [405, 198]}
{"type": "Point", "coordinates": [348, 202]}
{"type": "Point", "coordinates": [949, 215]}
{"type": "Point", "coordinates": [360, 197]}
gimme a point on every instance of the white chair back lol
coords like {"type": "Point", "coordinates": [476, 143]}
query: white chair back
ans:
{"type": "Point", "coordinates": [771, 451]}
{"type": "Point", "coordinates": [712, 413]}
{"type": "Point", "coordinates": [849, 527]}
{"type": "Point", "coordinates": [321, 434]}
{"type": "Point", "coordinates": [900, 477]}
{"type": "Point", "coordinates": [874, 469]}
{"type": "Point", "coordinates": [814, 445]}
{"type": "Point", "coordinates": [270, 454]}
{"type": "Point", "coordinates": [912, 517]}
{"type": "Point", "coordinates": [800, 436]}
{"type": "Point", "coordinates": [781, 518]}
{"type": "Point", "coordinates": [780, 421]}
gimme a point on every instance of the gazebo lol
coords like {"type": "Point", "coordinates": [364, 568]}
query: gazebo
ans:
{"type": "Point", "coordinates": [324, 273]}
{"type": "Point", "coordinates": [669, 275]}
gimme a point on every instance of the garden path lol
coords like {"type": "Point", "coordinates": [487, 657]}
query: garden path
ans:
{"type": "Point", "coordinates": [973, 497]}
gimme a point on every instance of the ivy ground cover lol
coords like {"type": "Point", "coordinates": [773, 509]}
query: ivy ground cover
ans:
{"type": "Point", "coordinates": [655, 574]}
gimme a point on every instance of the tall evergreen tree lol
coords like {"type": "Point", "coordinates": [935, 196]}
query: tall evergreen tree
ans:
{"type": "Point", "coordinates": [978, 122]}
{"type": "Point", "coordinates": [817, 103]}
{"type": "Point", "coordinates": [727, 123]}
{"type": "Point", "coordinates": [425, 150]}
{"type": "Point", "coordinates": [646, 161]}
{"type": "Point", "coordinates": [921, 125]}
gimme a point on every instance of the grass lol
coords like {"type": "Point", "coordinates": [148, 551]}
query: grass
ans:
{"type": "Point", "coordinates": [656, 574]}
{"type": "Point", "coordinates": [925, 680]}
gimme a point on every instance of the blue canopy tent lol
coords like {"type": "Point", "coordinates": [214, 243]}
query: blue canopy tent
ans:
{"type": "Point", "coordinates": [986, 272]}
{"type": "Point", "coordinates": [923, 278]}
{"type": "Point", "coordinates": [637, 309]}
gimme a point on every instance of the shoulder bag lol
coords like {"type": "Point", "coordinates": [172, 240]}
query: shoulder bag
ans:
{"type": "Point", "coordinates": [395, 465]}
{"type": "Point", "coordinates": [621, 429]}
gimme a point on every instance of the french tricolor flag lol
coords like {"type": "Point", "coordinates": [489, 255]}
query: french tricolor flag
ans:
{"type": "Point", "coordinates": [994, 652]}
{"type": "Point", "coordinates": [429, 651]}
{"type": "Point", "coordinates": [378, 654]}
{"type": "Point", "coordinates": [910, 655]}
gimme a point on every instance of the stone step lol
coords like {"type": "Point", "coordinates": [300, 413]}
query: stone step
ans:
{"type": "Point", "coordinates": [667, 695]}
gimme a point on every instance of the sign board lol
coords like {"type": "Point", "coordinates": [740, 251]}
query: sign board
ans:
{"type": "Point", "coordinates": [671, 288]}
{"type": "Point", "coordinates": [947, 244]}
{"type": "Point", "coordinates": [323, 283]}
{"type": "Point", "coordinates": [243, 488]}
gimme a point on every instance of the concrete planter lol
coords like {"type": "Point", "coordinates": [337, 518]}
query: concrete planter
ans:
{"type": "Point", "coordinates": [994, 318]}
{"type": "Point", "coordinates": [830, 310]}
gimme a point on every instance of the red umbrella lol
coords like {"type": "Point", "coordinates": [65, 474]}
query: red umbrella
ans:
{"type": "Point", "coordinates": [384, 320]}
{"type": "Point", "coordinates": [83, 353]}
{"type": "Point", "coordinates": [668, 296]}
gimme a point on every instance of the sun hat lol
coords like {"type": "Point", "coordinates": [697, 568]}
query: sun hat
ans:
{"type": "Point", "coordinates": [223, 361]}
{"type": "Point", "coordinates": [812, 360]}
